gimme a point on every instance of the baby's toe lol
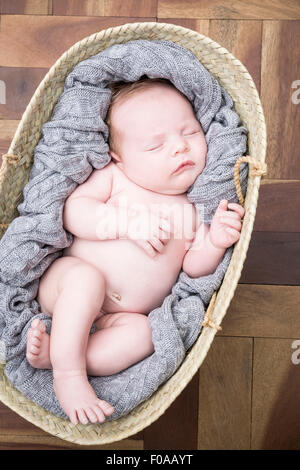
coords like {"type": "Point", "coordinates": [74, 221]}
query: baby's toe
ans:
{"type": "Point", "coordinates": [34, 349]}
{"type": "Point", "coordinates": [82, 416]}
{"type": "Point", "coordinates": [106, 408]}
{"type": "Point", "coordinates": [100, 415]}
{"type": "Point", "coordinates": [38, 325]}
{"type": "Point", "coordinates": [91, 415]}
{"type": "Point", "coordinates": [35, 341]}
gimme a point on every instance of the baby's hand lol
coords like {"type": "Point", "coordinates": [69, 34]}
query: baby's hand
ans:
{"type": "Point", "coordinates": [150, 230]}
{"type": "Point", "coordinates": [226, 225]}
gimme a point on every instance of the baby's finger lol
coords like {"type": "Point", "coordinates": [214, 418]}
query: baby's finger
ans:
{"type": "Point", "coordinates": [230, 215]}
{"type": "Point", "coordinates": [146, 246]}
{"type": "Point", "coordinates": [237, 207]}
{"type": "Point", "coordinates": [166, 226]}
{"type": "Point", "coordinates": [222, 205]}
{"type": "Point", "coordinates": [233, 233]}
{"type": "Point", "coordinates": [231, 222]}
{"type": "Point", "coordinates": [157, 244]}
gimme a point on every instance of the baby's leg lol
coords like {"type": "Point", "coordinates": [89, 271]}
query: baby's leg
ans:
{"type": "Point", "coordinates": [122, 340]}
{"type": "Point", "coordinates": [80, 294]}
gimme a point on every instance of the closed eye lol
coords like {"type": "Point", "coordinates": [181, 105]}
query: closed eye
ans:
{"type": "Point", "coordinates": [154, 148]}
{"type": "Point", "coordinates": [191, 133]}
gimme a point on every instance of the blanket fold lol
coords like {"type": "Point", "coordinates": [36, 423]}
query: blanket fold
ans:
{"type": "Point", "coordinates": [72, 145]}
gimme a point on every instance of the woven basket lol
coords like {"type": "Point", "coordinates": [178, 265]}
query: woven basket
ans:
{"type": "Point", "coordinates": [14, 173]}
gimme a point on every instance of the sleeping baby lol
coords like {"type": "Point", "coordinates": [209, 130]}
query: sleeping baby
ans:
{"type": "Point", "coordinates": [134, 230]}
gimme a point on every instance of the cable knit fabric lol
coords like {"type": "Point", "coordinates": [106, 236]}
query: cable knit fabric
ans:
{"type": "Point", "coordinates": [72, 145]}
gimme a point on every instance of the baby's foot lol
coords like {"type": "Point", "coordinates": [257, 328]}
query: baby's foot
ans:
{"type": "Point", "coordinates": [38, 341]}
{"type": "Point", "coordinates": [78, 399]}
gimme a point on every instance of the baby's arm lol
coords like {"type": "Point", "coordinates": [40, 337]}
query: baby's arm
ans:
{"type": "Point", "coordinates": [210, 243]}
{"type": "Point", "coordinates": [82, 209]}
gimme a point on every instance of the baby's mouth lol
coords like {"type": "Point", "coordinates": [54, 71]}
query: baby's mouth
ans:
{"type": "Point", "coordinates": [184, 166]}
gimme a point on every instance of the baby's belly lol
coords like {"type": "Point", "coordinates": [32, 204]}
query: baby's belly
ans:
{"type": "Point", "coordinates": [135, 282]}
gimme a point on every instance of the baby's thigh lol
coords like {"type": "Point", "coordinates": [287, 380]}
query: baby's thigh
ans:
{"type": "Point", "coordinates": [51, 280]}
{"type": "Point", "coordinates": [133, 328]}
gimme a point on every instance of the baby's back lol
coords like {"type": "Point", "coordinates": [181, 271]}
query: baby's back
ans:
{"type": "Point", "coordinates": [136, 282]}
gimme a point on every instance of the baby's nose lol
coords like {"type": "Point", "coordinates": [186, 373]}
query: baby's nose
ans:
{"type": "Point", "coordinates": [181, 145]}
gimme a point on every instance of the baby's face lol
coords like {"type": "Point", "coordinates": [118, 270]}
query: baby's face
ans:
{"type": "Point", "coordinates": [159, 132]}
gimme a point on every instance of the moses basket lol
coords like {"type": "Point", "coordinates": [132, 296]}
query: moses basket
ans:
{"type": "Point", "coordinates": [14, 174]}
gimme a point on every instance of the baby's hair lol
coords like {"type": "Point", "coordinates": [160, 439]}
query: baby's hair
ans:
{"type": "Point", "coordinates": [122, 90]}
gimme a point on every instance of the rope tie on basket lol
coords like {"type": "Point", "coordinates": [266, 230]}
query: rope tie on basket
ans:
{"type": "Point", "coordinates": [257, 168]}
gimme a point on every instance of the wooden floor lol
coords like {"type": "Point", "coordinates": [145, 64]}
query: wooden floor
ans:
{"type": "Point", "coordinates": [247, 393]}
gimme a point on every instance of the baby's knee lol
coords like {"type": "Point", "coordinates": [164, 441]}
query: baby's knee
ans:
{"type": "Point", "coordinates": [83, 275]}
{"type": "Point", "coordinates": [140, 326]}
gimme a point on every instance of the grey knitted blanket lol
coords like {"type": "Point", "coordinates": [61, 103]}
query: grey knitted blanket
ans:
{"type": "Point", "coordinates": [73, 143]}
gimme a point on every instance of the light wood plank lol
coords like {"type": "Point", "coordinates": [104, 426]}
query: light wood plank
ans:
{"type": "Point", "coordinates": [137, 8]}
{"type": "Point", "coordinates": [272, 258]}
{"type": "Point", "coordinates": [225, 395]}
{"type": "Point", "coordinates": [280, 70]}
{"type": "Point", "coordinates": [263, 311]}
{"type": "Point", "coordinates": [243, 40]}
{"type": "Point", "coordinates": [7, 130]}
{"type": "Point", "coordinates": [276, 385]}
{"type": "Point", "coordinates": [222, 9]}
{"type": "Point", "coordinates": [26, 7]}
{"type": "Point", "coordinates": [201, 26]}
{"type": "Point", "coordinates": [46, 38]}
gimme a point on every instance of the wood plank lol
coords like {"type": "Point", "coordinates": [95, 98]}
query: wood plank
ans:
{"type": "Point", "coordinates": [176, 429]}
{"type": "Point", "coordinates": [222, 9]}
{"type": "Point", "coordinates": [46, 38]}
{"type": "Point", "coordinates": [243, 40]}
{"type": "Point", "coordinates": [280, 70]}
{"type": "Point", "coordinates": [225, 395]}
{"type": "Point", "coordinates": [276, 385]}
{"type": "Point", "coordinates": [21, 83]}
{"type": "Point", "coordinates": [272, 258]}
{"type": "Point", "coordinates": [278, 206]}
{"type": "Point", "coordinates": [137, 8]}
{"type": "Point", "coordinates": [26, 7]}
{"type": "Point", "coordinates": [263, 311]}
{"type": "Point", "coordinates": [201, 26]}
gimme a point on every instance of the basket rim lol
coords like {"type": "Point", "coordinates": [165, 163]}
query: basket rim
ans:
{"type": "Point", "coordinates": [140, 417]}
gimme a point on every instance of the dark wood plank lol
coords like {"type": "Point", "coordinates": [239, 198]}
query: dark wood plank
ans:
{"type": "Point", "coordinates": [45, 38]}
{"type": "Point", "coordinates": [26, 7]}
{"type": "Point", "coordinates": [272, 258]}
{"type": "Point", "coordinates": [21, 83]}
{"type": "Point", "coordinates": [243, 40]}
{"type": "Point", "coordinates": [18, 433]}
{"type": "Point", "coordinates": [263, 311]}
{"type": "Point", "coordinates": [225, 395]}
{"type": "Point", "coordinates": [137, 8]}
{"type": "Point", "coordinates": [280, 71]}
{"type": "Point", "coordinates": [222, 9]}
{"type": "Point", "coordinates": [276, 385]}
{"type": "Point", "coordinates": [278, 206]}
{"type": "Point", "coordinates": [177, 428]}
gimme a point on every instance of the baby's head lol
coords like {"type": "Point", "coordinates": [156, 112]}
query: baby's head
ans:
{"type": "Point", "coordinates": [152, 131]}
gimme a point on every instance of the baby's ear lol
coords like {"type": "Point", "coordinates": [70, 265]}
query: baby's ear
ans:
{"type": "Point", "coordinates": [115, 157]}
